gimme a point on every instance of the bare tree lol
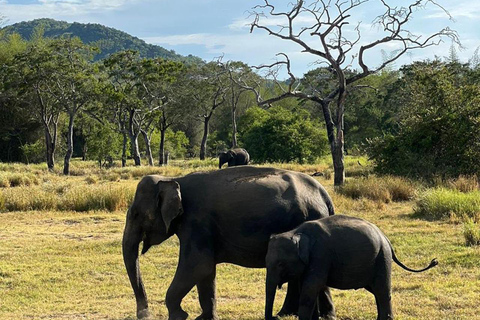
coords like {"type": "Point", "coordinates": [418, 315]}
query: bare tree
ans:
{"type": "Point", "coordinates": [328, 36]}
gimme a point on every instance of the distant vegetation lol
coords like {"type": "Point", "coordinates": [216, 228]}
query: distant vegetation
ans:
{"type": "Point", "coordinates": [421, 121]}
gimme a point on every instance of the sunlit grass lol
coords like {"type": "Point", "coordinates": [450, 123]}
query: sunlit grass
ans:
{"type": "Point", "coordinates": [383, 189]}
{"type": "Point", "coordinates": [471, 233]}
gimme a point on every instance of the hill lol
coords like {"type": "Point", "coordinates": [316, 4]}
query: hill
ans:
{"type": "Point", "coordinates": [108, 40]}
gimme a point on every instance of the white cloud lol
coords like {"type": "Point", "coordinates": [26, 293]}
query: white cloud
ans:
{"type": "Point", "coordinates": [60, 9]}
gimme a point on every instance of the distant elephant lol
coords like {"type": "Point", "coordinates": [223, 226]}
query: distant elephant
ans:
{"type": "Point", "coordinates": [338, 252]}
{"type": "Point", "coordinates": [234, 157]}
{"type": "Point", "coordinates": [219, 216]}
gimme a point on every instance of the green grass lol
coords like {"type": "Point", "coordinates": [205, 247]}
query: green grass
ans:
{"type": "Point", "coordinates": [440, 203]}
{"type": "Point", "coordinates": [471, 233]}
{"type": "Point", "coordinates": [64, 264]}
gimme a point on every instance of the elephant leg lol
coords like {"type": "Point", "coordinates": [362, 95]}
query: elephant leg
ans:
{"type": "Point", "coordinates": [206, 295]}
{"type": "Point", "coordinates": [308, 302]}
{"type": "Point", "coordinates": [381, 289]}
{"type": "Point", "coordinates": [290, 305]}
{"type": "Point", "coordinates": [190, 271]}
{"type": "Point", "coordinates": [325, 305]}
{"type": "Point", "coordinates": [315, 313]}
{"type": "Point", "coordinates": [313, 287]}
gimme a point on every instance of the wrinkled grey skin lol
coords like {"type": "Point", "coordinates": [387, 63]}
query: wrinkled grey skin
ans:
{"type": "Point", "coordinates": [220, 216]}
{"type": "Point", "coordinates": [338, 252]}
{"type": "Point", "coordinates": [234, 157]}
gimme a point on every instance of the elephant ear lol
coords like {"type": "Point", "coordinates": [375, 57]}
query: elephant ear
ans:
{"type": "Point", "coordinates": [303, 247]}
{"type": "Point", "coordinates": [169, 202]}
{"type": "Point", "coordinates": [231, 154]}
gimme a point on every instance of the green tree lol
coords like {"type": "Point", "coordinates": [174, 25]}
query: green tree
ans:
{"type": "Point", "coordinates": [439, 123]}
{"type": "Point", "coordinates": [104, 144]}
{"type": "Point", "coordinates": [157, 90]}
{"type": "Point", "coordinates": [29, 78]}
{"type": "Point", "coordinates": [278, 134]}
{"type": "Point", "coordinates": [17, 127]}
{"type": "Point", "coordinates": [207, 91]}
{"type": "Point", "coordinates": [76, 85]}
{"type": "Point", "coordinates": [122, 69]}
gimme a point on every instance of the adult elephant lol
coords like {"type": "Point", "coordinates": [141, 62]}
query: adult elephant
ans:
{"type": "Point", "coordinates": [219, 216]}
{"type": "Point", "coordinates": [234, 157]}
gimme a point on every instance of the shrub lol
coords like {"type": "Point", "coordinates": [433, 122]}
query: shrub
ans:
{"type": "Point", "coordinates": [465, 183]}
{"type": "Point", "coordinates": [471, 232]}
{"type": "Point", "coordinates": [384, 189]}
{"type": "Point", "coordinates": [34, 152]}
{"type": "Point", "coordinates": [91, 179]}
{"type": "Point", "coordinates": [16, 179]}
{"type": "Point", "coordinates": [441, 203]}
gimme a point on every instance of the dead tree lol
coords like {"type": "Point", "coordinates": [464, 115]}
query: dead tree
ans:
{"type": "Point", "coordinates": [326, 38]}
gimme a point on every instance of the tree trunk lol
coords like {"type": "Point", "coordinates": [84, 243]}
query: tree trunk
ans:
{"type": "Point", "coordinates": [161, 152]}
{"type": "Point", "coordinates": [336, 144]}
{"type": "Point", "coordinates": [234, 129]}
{"type": "Point", "coordinates": [68, 155]}
{"type": "Point", "coordinates": [338, 161]}
{"type": "Point", "coordinates": [84, 151]}
{"type": "Point", "coordinates": [135, 149]}
{"type": "Point", "coordinates": [203, 146]}
{"type": "Point", "coordinates": [134, 139]}
{"type": "Point", "coordinates": [124, 149]}
{"type": "Point", "coordinates": [148, 147]}
{"type": "Point", "coordinates": [50, 143]}
{"type": "Point", "coordinates": [167, 157]}
{"type": "Point", "coordinates": [234, 120]}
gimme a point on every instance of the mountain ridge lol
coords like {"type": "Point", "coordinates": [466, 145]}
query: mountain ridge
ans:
{"type": "Point", "coordinates": [108, 40]}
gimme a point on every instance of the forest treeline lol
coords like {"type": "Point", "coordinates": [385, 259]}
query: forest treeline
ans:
{"type": "Point", "coordinates": [421, 120]}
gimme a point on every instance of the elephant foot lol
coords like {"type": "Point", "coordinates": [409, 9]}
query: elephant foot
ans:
{"type": "Point", "coordinates": [286, 313]}
{"type": "Point", "coordinates": [207, 317]}
{"type": "Point", "coordinates": [143, 314]}
{"type": "Point", "coordinates": [178, 315]}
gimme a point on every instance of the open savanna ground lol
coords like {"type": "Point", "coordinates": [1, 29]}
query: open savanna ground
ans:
{"type": "Point", "coordinates": [60, 248]}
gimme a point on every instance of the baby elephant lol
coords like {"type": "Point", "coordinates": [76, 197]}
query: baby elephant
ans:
{"type": "Point", "coordinates": [337, 251]}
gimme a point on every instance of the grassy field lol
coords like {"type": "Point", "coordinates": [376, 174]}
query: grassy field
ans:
{"type": "Point", "coordinates": [61, 260]}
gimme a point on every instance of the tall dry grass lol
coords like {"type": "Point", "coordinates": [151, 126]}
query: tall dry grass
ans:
{"type": "Point", "coordinates": [379, 188]}
{"type": "Point", "coordinates": [67, 197]}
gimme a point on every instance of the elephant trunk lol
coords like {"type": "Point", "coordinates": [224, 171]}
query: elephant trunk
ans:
{"type": "Point", "coordinates": [130, 244]}
{"type": "Point", "coordinates": [271, 289]}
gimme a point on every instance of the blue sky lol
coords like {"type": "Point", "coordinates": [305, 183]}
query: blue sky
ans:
{"type": "Point", "coordinates": [210, 28]}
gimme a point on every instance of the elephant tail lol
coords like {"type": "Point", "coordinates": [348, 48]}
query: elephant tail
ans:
{"type": "Point", "coordinates": [331, 209]}
{"type": "Point", "coordinates": [432, 264]}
